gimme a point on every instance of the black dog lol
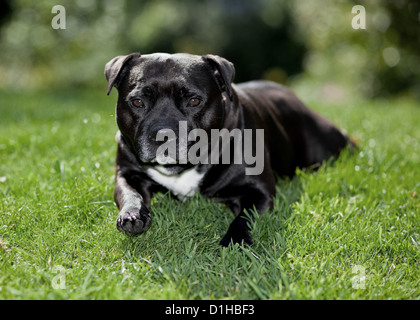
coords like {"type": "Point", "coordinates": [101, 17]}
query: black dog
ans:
{"type": "Point", "coordinates": [159, 92]}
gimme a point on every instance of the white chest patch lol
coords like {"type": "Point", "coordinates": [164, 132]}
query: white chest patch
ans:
{"type": "Point", "coordinates": [182, 185]}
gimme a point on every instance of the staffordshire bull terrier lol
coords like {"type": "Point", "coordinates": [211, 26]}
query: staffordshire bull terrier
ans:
{"type": "Point", "coordinates": [162, 98]}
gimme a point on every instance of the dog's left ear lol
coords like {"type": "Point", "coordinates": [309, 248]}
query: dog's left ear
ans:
{"type": "Point", "coordinates": [114, 67]}
{"type": "Point", "coordinates": [223, 72]}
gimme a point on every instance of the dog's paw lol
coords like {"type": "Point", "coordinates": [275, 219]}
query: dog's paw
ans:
{"type": "Point", "coordinates": [229, 238]}
{"type": "Point", "coordinates": [134, 221]}
{"type": "Point", "coordinates": [238, 232]}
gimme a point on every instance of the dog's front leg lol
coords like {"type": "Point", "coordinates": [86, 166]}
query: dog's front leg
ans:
{"type": "Point", "coordinates": [134, 217]}
{"type": "Point", "coordinates": [239, 229]}
{"type": "Point", "coordinates": [131, 194]}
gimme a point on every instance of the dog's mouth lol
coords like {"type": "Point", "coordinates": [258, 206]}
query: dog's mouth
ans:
{"type": "Point", "coordinates": [173, 167]}
{"type": "Point", "coordinates": [169, 157]}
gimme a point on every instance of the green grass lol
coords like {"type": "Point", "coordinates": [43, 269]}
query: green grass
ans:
{"type": "Point", "coordinates": [56, 211]}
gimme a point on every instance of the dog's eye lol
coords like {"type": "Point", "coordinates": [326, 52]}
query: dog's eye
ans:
{"type": "Point", "coordinates": [137, 103]}
{"type": "Point", "coordinates": [193, 102]}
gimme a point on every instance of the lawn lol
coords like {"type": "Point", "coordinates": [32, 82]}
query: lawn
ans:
{"type": "Point", "coordinates": [347, 231]}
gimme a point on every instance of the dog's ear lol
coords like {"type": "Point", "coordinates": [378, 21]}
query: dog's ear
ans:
{"type": "Point", "coordinates": [223, 72]}
{"type": "Point", "coordinates": [114, 67]}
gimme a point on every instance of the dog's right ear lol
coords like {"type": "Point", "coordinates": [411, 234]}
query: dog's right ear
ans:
{"type": "Point", "coordinates": [114, 67]}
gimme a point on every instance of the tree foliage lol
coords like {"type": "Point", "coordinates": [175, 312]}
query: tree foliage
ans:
{"type": "Point", "coordinates": [300, 42]}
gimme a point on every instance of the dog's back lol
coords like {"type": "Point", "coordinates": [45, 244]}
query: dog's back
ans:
{"type": "Point", "coordinates": [298, 136]}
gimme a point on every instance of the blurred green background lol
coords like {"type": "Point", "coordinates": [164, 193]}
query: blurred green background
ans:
{"type": "Point", "coordinates": [309, 45]}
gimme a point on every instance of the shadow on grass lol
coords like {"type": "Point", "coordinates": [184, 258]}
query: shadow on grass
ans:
{"type": "Point", "coordinates": [205, 221]}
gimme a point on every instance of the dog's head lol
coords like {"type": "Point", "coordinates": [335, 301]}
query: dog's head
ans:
{"type": "Point", "coordinates": [158, 92]}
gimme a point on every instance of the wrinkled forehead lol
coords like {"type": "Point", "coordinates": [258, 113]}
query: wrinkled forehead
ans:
{"type": "Point", "coordinates": [168, 67]}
